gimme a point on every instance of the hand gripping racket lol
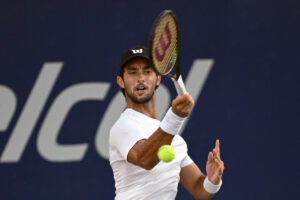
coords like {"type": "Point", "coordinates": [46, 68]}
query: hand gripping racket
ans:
{"type": "Point", "coordinates": [164, 48]}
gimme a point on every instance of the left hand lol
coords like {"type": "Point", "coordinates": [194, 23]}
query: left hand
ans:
{"type": "Point", "coordinates": [214, 165]}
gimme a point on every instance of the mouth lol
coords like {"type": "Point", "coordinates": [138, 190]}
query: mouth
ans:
{"type": "Point", "coordinates": [141, 89]}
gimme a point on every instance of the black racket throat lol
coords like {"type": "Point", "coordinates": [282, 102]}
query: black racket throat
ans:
{"type": "Point", "coordinates": [175, 76]}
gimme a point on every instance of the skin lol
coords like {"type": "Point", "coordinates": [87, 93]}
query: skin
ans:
{"type": "Point", "coordinates": [138, 74]}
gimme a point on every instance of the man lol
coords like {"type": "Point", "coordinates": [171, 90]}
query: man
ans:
{"type": "Point", "coordinates": [137, 135]}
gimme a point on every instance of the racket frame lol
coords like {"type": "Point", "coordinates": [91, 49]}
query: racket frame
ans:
{"type": "Point", "coordinates": [177, 79]}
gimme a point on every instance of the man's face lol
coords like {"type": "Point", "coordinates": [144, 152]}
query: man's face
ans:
{"type": "Point", "coordinates": [139, 81]}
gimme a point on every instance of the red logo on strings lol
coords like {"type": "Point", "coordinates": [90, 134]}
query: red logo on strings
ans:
{"type": "Point", "coordinates": [163, 44]}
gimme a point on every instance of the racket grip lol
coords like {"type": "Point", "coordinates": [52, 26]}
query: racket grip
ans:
{"type": "Point", "coordinates": [179, 85]}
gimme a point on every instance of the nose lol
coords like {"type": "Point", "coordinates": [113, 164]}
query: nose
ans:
{"type": "Point", "coordinates": [141, 76]}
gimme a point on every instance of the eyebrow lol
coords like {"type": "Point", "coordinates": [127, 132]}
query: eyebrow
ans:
{"type": "Point", "coordinates": [146, 67]}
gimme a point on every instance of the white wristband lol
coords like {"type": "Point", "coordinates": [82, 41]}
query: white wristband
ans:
{"type": "Point", "coordinates": [210, 187]}
{"type": "Point", "coordinates": [171, 123]}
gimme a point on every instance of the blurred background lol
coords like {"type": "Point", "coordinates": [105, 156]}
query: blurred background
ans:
{"type": "Point", "coordinates": [58, 96]}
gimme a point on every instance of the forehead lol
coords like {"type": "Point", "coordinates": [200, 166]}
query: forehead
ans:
{"type": "Point", "coordinates": [136, 63]}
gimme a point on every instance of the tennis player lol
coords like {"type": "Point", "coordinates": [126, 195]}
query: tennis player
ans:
{"type": "Point", "coordinates": [137, 135]}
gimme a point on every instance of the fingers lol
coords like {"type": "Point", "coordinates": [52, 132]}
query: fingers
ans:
{"type": "Point", "coordinates": [210, 157]}
{"type": "Point", "coordinates": [182, 105]}
{"type": "Point", "coordinates": [218, 146]}
{"type": "Point", "coordinates": [215, 166]}
{"type": "Point", "coordinates": [216, 162]}
{"type": "Point", "coordinates": [184, 100]}
{"type": "Point", "coordinates": [217, 157]}
{"type": "Point", "coordinates": [216, 150]}
{"type": "Point", "coordinates": [181, 99]}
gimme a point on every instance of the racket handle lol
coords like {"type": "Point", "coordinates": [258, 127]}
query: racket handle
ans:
{"type": "Point", "coordinates": [179, 85]}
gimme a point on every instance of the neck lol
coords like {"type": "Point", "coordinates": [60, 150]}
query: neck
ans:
{"type": "Point", "coordinates": [148, 108]}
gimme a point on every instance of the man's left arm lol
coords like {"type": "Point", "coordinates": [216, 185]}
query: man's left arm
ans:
{"type": "Point", "coordinates": [193, 180]}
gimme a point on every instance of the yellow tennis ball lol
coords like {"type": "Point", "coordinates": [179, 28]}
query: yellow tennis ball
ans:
{"type": "Point", "coordinates": [166, 153]}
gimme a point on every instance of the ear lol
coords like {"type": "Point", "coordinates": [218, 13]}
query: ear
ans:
{"type": "Point", "coordinates": [158, 80]}
{"type": "Point", "coordinates": [120, 82]}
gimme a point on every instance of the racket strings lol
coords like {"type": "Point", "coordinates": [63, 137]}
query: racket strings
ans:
{"type": "Point", "coordinates": [171, 56]}
{"type": "Point", "coordinates": [166, 64]}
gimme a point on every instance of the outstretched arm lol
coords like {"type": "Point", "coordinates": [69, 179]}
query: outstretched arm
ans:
{"type": "Point", "coordinates": [192, 179]}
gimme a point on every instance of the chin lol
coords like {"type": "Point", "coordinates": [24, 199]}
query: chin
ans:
{"type": "Point", "coordinates": [141, 99]}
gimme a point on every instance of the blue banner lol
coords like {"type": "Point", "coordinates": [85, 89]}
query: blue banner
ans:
{"type": "Point", "coordinates": [59, 97]}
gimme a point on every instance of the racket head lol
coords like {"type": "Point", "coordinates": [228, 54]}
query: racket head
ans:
{"type": "Point", "coordinates": [164, 43]}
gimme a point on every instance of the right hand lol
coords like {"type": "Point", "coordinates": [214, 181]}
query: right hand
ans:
{"type": "Point", "coordinates": [183, 105]}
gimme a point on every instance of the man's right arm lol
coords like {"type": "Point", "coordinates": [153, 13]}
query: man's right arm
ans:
{"type": "Point", "coordinates": [144, 152]}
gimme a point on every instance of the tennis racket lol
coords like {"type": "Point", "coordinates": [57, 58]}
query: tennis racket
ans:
{"type": "Point", "coordinates": [164, 48]}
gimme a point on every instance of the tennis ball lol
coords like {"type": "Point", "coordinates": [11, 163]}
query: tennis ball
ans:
{"type": "Point", "coordinates": [166, 153]}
